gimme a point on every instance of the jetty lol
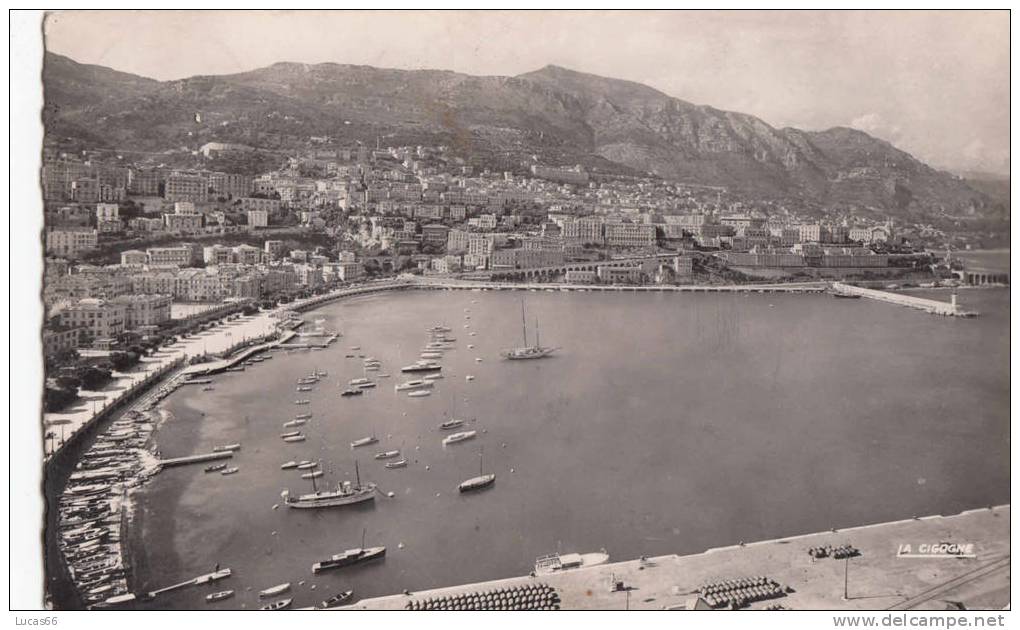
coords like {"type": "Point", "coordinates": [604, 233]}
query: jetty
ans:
{"type": "Point", "coordinates": [195, 459]}
{"type": "Point", "coordinates": [475, 285]}
{"type": "Point", "coordinates": [205, 578]}
{"type": "Point", "coordinates": [934, 307]}
{"type": "Point", "coordinates": [214, 367]}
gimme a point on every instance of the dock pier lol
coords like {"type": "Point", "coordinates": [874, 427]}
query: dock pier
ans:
{"type": "Point", "coordinates": [935, 307]}
{"type": "Point", "coordinates": [195, 459]}
{"type": "Point", "coordinates": [205, 578]}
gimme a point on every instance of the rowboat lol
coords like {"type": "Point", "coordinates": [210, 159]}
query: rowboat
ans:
{"type": "Point", "coordinates": [221, 595]}
{"type": "Point", "coordinates": [275, 590]}
{"type": "Point", "coordinates": [336, 600]}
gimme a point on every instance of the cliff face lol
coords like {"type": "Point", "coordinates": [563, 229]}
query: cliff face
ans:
{"type": "Point", "coordinates": [554, 112]}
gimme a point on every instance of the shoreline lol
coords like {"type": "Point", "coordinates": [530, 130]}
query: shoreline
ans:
{"type": "Point", "coordinates": [138, 526]}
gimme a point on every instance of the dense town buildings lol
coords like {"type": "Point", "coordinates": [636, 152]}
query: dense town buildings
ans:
{"type": "Point", "coordinates": [399, 208]}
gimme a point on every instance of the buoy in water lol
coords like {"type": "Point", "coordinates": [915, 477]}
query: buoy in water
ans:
{"type": "Point", "coordinates": [511, 470]}
{"type": "Point", "coordinates": [400, 545]}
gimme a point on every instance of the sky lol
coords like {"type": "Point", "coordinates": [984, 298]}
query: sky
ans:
{"type": "Point", "coordinates": [933, 83]}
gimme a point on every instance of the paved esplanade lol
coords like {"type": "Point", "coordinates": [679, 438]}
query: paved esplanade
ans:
{"type": "Point", "coordinates": [876, 579]}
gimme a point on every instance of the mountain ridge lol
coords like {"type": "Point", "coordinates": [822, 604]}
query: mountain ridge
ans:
{"type": "Point", "coordinates": [560, 114]}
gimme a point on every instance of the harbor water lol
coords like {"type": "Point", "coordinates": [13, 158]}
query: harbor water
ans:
{"type": "Point", "coordinates": [665, 423]}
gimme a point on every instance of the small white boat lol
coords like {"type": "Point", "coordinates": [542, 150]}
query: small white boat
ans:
{"type": "Point", "coordinates": [432, 377]}
{"type": "Point", "coordinates": [275, 590]}
{"type": "Point", "coordinates": [303, 416]}
{"type": "Point", "coordinates": [305, 388]}
{"type": "Point", "coordinates": [459, 437]}
{"type": "Point", "coordinates": [312, 475]}
{"type": "Point", "coordinates": [288, 465]}
{"type": "Point", "coordinates": [365, 441]}
{"type": "Point", "coordinates": [294, 438]}
{"type": "Point", "coordinates": [368, 385]}
{"type": "Point", "coordinates": [555, 563]}
{"type": "Point", "coordinates": [469, 377]}
{"type": "Point", "coordinates": [229, 471]}
{"type": "Point", "coordinates": [336, 600]}
{"type": "Point", "coordinates": [227, 447]}
{"type": "Point", "coordinates": [387, 455]}
{"type": "Point", "coordinates": [357, 381]}
{"type": "Point", "coordinates": [306, 465]}
{"type": "Point", "coordinates": [290, 434]}
{"type": "Point", "coordinates": [302, 402]}
{"type": "Point", "coordinates": [411, 385]}
{"type": "Point", "coordinates": [215, 597]}
{"type": "Point", "coordinates": [294, 423]}
{"type": "Point", "coordinates": [419, 393]}
{"type": "Point", "coordinates": [400, 463]}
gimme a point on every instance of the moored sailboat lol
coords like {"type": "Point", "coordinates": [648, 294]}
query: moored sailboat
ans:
{"type": "Point", "coordinates": [536, 351]}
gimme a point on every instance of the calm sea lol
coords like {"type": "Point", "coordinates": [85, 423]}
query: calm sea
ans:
{"type": "Point", "coordinates": [667, 423]}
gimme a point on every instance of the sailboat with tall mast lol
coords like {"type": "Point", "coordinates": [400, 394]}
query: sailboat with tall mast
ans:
{"type": "Point", "coordinates": [536, 351]}
{"type": "Point", "coordinates": [346, 493]}
{"type": "Point", "coordinates": [479, 482]}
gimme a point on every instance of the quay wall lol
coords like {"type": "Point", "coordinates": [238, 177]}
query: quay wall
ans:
{"type": "Point", "coordinates": [878, 577]}
{"type": "Point", "coordinates": [931, 306]}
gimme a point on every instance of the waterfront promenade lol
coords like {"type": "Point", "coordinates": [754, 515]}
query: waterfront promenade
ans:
{"type": "Point", "coordinates": [876, 579]}
{"type": "Point", "coordinates": [220, 338]}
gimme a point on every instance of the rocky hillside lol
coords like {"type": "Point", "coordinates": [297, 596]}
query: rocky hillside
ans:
{"type": "Point", "coordinates": [561, 115]}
